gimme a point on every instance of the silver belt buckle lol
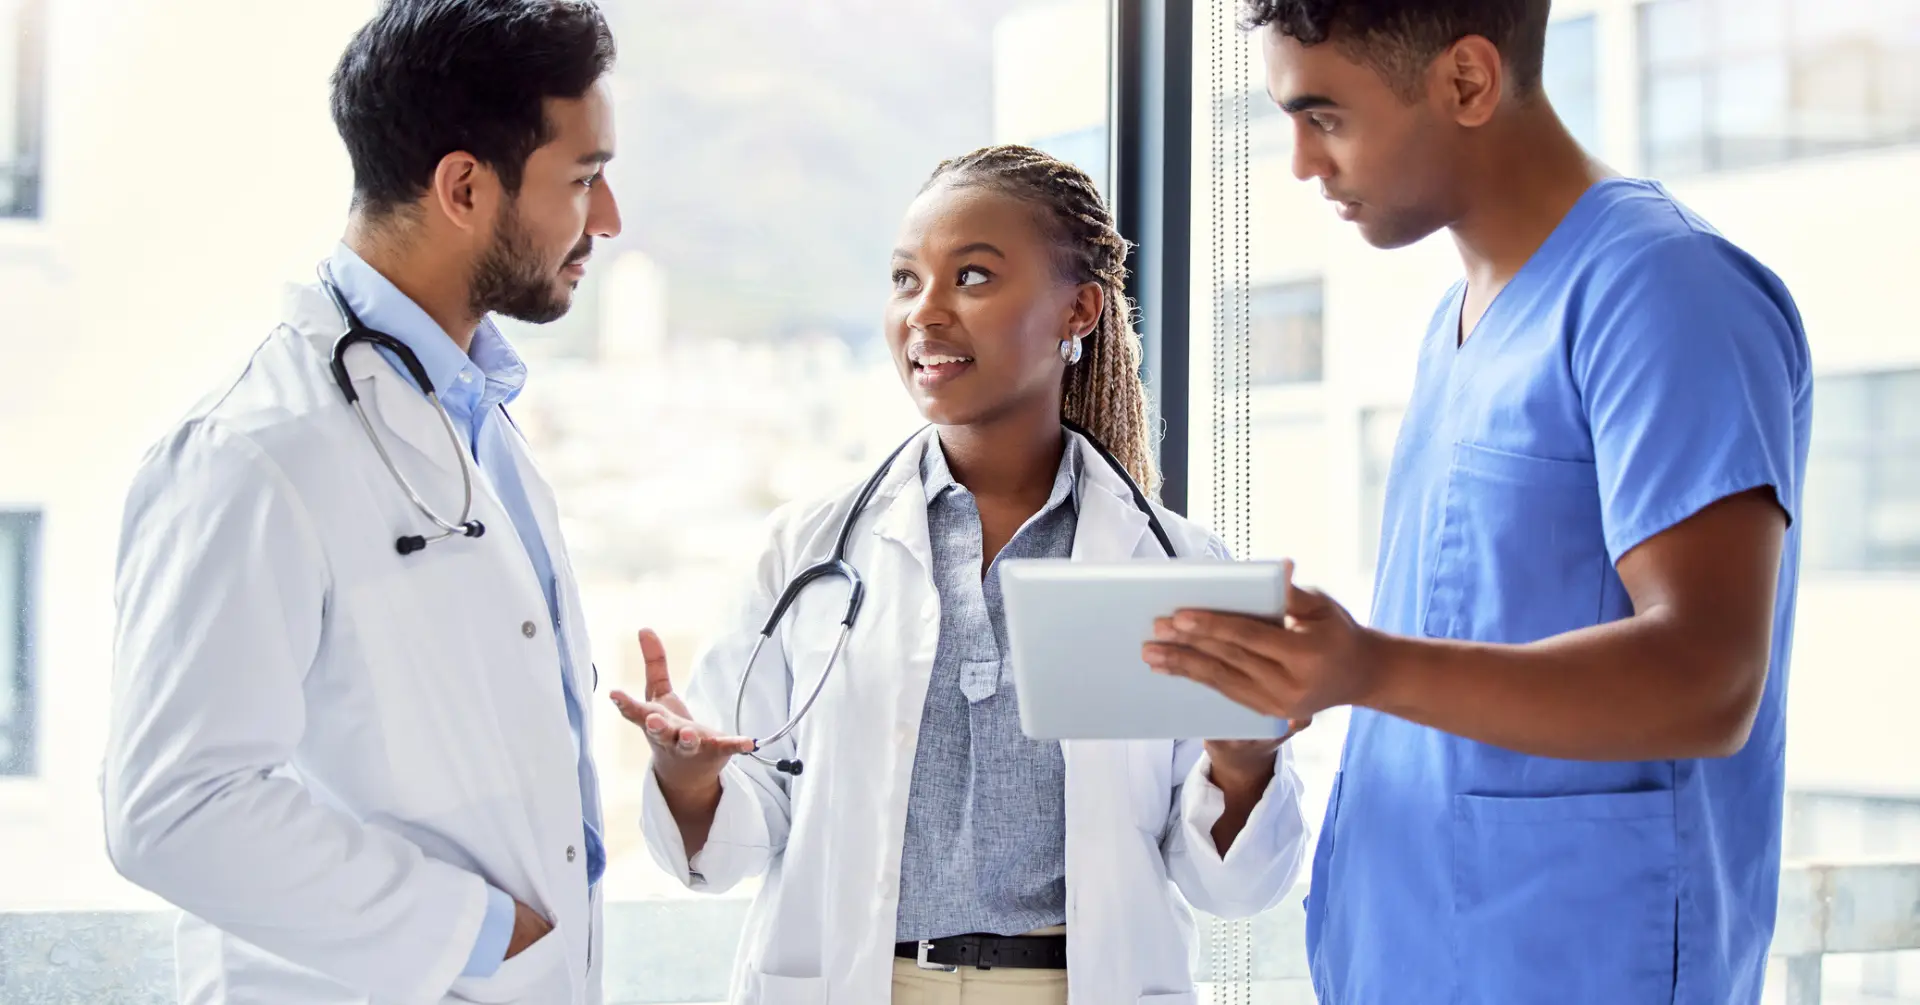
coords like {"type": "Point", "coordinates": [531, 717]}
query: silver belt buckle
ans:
{"type": "Point", "coordinates": [921, 961]}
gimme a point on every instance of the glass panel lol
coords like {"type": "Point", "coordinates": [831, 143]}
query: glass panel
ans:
{"type": "Point", "coordinates": [1834, 100]}
{"type": "Point", "coordinates": [1673, 33]}
{"type": "Point", "coordinates": [1676, 123]}
{"type": "Point", "coordinates": [13, 138]}
{"type": "Point", "coordinates": [1893, 512]}
{"type": "Point", "coordinates": [16, 617]}
{"type": "Point", "coordinates": [1570, 78]}
{"type": "Point", "coordinates": [1898, 88]}
{"type": "Point", "coordinates": [1748, 27]}
{"type": "Point", "coordinates": [1897, 399]}
{"type": "Point", "coordinates": [1379, 429]}
{"type": "Point", "coordinates": [11, 35]}
{"type": "Point", "coordinates": [1750, 111]}
{"type": "Point", "coordinates": [1833, 505]}
{"type": "Point", "coordinates": [1286, 333]}
{"type": "Point", "coordinates": [1820, 22]}
{"type": "Point", "coordinates": [1843, 411]}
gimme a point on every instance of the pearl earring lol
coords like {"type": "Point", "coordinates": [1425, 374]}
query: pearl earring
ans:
{"type": "Point", "coordinates": [1070, 350]}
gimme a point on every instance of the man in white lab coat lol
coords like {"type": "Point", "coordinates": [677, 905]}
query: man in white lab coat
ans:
{"type": "Point", "coordinates": [349, 733]}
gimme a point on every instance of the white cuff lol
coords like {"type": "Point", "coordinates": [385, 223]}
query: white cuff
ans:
{"type": "Point", "coordinates": [735, 843]}
{"type": "Point", "coordinates": [1202, 803]}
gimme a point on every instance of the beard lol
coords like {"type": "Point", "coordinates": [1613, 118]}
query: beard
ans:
{"type": "Point", "coordinates": [513, 280]}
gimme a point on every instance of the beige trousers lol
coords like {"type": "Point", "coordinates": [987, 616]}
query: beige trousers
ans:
{"type": "Point", "coordinates": [968, 986]}
{"type": "Point", "coordinates": [971, 986]}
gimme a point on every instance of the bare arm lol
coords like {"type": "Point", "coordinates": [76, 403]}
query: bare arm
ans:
{"type": "Point", "coordinates": [1680, 678]}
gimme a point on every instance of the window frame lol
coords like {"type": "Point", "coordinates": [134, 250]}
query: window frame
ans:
{"type": "Point", "coordinates": [1151, 89]}
{"type": "Point", "coordinates": [24, 526]}
{"type": "Point", "coordinates": [23, 154]}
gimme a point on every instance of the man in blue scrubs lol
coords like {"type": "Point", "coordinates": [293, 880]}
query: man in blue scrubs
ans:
{"type": "Point", "coordinates": [1563, 778]}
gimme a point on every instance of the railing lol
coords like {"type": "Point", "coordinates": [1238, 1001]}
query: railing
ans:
{"type": "Point", "coordinates": [680, 951]}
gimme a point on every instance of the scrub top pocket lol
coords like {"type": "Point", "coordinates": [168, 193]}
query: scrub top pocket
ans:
{"type": "Point", "coordinates": [1566, 900]}
{"type": "Point", "coordinates": [1516, 529]}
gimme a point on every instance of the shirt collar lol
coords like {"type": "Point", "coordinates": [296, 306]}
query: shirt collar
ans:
{"type": "Point", "coordinates": [938, 478]}
{"type": "Point", "coordinates": [492, 371]}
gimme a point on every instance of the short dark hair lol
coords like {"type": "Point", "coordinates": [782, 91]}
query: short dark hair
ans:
{"type": "Point", "coordinates": [1400, 37]}
{"type": "Point", "coordinates": [425, 78]}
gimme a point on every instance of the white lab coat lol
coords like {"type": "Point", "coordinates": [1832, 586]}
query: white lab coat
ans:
{"type": "Point", "coordinates": [821, 929]}
{"type": "Point", "coordinates": [320, 750]}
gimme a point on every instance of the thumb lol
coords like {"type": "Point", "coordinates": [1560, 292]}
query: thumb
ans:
{"type": "Point", "coordinates": [1306, 602]}
{"type": "Point", "coordinates": [654, 652]}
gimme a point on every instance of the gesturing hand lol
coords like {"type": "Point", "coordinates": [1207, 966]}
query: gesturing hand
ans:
{"type": "Point", "coordinates": [687, 756]}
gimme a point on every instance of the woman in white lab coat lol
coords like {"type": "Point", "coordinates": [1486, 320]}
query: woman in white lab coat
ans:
{"type": "Point", "coordinates": [926, 828]}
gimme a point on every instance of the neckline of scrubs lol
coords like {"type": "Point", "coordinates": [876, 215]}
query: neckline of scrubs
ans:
{"type": "Point", "coordinates": [1571, 226]}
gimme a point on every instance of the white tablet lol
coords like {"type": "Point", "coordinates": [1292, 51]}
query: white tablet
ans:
{"type": "Point", "coordinates": [1076, 630]}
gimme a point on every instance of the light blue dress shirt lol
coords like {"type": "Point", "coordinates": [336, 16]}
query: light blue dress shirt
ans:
{"type": "Point", "coordinates": [474, 386]}
{"type": "Point", "coordinates": [1637, 369]}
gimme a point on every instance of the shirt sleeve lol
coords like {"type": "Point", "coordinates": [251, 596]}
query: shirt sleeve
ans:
{"type": "Point", "coordinates": [496, 935]}
{"type": "Point", "coordinates": [1691, 367]}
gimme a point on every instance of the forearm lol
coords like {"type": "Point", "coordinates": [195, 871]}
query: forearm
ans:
{"type": "Point", "coordinates": [693, 806]}
{"type": "Point", "coordinates": [1644, 688]}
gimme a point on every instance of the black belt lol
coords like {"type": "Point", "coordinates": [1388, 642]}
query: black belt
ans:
{"type": "Point", "coordinates": [1026, 952]}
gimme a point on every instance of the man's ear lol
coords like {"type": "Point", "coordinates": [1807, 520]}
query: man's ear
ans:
{"type": "Point", "coordinates": [1471, 79]}
{"type": "Point", "coordinates": [464, 190]}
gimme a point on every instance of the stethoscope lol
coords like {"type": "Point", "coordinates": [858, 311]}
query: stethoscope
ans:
{"type": "Point", "coordinates": [837, 566]}
{"type": "Point", "coordinates": [356, 333]}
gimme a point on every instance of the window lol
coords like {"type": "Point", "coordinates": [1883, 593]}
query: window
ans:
{"type": "Point", "coordinates": [22, 76]}
{"type": "Point", "coordinates": [1738, 83]}
{"type": "Point", "coordinates": [1571, 78]}
{"type": "Point", "coordinates": [1286, 333]}
{"type": "Point", "coordinates": [1083, 148]}
{"type": "Point", "coordinates": [19, 549]}
{"type": "Point", "coordinates": [1863, 474]}
{"type": "Point", "coordinates": [1379, 428]}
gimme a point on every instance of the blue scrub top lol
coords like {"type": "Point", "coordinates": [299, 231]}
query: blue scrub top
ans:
{"type": "Point", "coordinates": [1638, 368]}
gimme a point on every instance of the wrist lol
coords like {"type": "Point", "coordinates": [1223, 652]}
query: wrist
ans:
{"type": "Point", "coordinates": [1388, 671]}
{"type": "Point", "coordinates": [1238, 776]}
{"type": "Point", "coordinates": [703, 787]}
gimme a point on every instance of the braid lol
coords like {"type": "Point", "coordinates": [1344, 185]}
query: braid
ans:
{"type": "Point", "coordinates": [1102, 393]}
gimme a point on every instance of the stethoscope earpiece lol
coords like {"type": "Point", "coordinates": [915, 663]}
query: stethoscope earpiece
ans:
{"type": "Point", "coordinates": [789, 767]}
{"type": "Point", "coordinates": [410, 544]}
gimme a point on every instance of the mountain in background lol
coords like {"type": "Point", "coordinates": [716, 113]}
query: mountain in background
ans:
{"type": "Point", "coordinates": [768, 148]}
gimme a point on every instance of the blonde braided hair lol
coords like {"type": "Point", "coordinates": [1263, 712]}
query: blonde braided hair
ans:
{"type": "Point", "coordinates": [1102, 393]}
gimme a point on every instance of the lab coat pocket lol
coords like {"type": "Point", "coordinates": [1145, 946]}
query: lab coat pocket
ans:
{"type": "Point", "coordinates": [1176, 998]}
{"type": "Point", "coordinates": [1516, 529]}
{"type": "Point", "coordinates": [1565, 900]}
{"type": "Point", "coordinates": [538, 974]}
{"type": "Point", "coordinates": [772, 989]}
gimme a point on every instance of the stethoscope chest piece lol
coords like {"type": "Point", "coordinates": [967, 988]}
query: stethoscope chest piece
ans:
{"type": "Point", "coordinates": [836, 566]}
